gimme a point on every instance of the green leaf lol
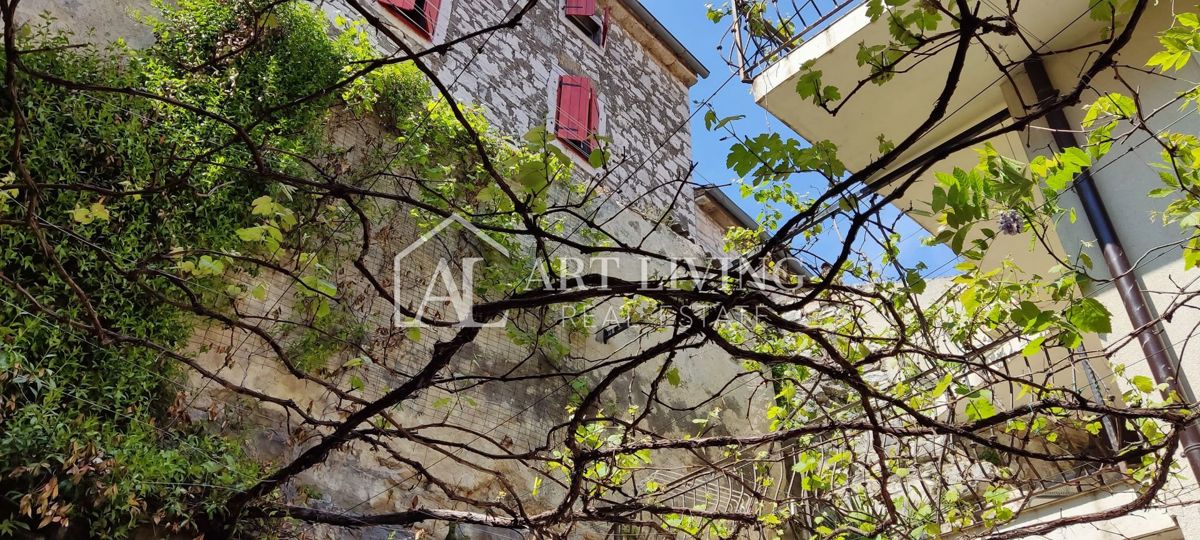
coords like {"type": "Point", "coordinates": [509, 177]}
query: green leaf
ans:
{"type": "Point", "coordinates": [597, 158]}
{"type": "Point", "coordinates": [326, 287]}
{"type": "Point", "coordinates": [942, 386]}
{"type": "Point", "coordinates": [715, 15]}
{"type": "Point", "coordinates": [741, 159]}
{"type": "Point", "coordinates": [1169, 60]}
{"type": "Point", "coordinates": [1033, 347]}
{"type": "Point", "coordinates": [1089, 315]}
{"type": "Point", "coordinates": [981, 408]}
{"type": "Point", "coordinates": [915, 281]}
{"type": "Point", "coordinates": [960, 236]}
{"type": "Point", "coordinates": [1191, 254]}
{"type": "Point", "coordinates": [262, 206]}
{"type": "Point", "coordinates": [259, 292]}
{"type": "Point", "coordinates": [673, 376]}
{"type": "Point", "coordinates": [251, 234]}
{"type": "Point", "coordinates": [1077, 157]}
{"type": "Point", "coordinates": [809, 84]}
{"type": "Point", "coordinates": [1143, 383]}
{"type": "Point", "coordinates": [713, 123]}
{"type": "Point", "coordinates": [99, 211]}
{"type": "Point", "coordinates": [1059, 180]}
{"type": "Point", "coordinates": [81, 215]}
{"type": "Point", "coordinates": [1190, 220]}
{"type": "Point", "coordinates": [1150, 429]}
{"type": "Point", "coordinates": [875, 8]}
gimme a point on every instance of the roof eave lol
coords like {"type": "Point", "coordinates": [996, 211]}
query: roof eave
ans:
{"type": "Point", "coordinates": [662, 34]}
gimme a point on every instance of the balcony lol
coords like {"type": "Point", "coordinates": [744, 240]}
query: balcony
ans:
{"type": "Point", "coordinates": [759, 34]}
{"type": "Point", "coordinates": [774, 44]}
{"type": "Point", "coordinates": [775, 47]}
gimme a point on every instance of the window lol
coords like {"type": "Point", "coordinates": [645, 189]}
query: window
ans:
{"type": "Point", "coordinates": [582, 14]}
{"type": "Point", "coordinates": [421, 15]}
{"type": "Point", "coordinates": [577, 117]}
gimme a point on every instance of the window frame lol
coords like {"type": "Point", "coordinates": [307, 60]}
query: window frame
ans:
{"type": "Point", "coordinates": [602, 13]}
{"type": "Point", "coordinates": [576, 154]}
{"type": "Point", "coordinates": [409, 27]}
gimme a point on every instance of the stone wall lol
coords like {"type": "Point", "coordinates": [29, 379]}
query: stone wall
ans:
{"type": "Point", "coordinates": [492, 417]}
{"type": "Point", "coordinates": [513, 74]}
{"type": "Point", "coordinates": [644, 105]}
{"type": "Point", "coordinates": [513, 77]}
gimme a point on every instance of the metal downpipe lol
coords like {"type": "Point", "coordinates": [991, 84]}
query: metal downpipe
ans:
{"type": "Point", "coordinates": [1137, 306]}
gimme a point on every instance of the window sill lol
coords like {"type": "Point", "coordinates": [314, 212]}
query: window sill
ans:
{"type": "Point", "coordinates": [575, 154]}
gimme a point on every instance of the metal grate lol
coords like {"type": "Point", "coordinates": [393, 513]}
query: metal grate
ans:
{"type": "Point", "coordinates": [637, 532]}
{"type": "Point", "coordinates": [709, 488]}
{"type": "Point", "coordinates": [765, 31]}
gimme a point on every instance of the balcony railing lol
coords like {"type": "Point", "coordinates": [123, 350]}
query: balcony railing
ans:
{"type": "Point", "coordinates": [764, 31]}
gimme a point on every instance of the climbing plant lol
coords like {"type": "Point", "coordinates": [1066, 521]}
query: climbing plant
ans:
{"type": "Point", "coordinates": [205, 319]}
{"type": "Point", "coordinates": [142, 187]}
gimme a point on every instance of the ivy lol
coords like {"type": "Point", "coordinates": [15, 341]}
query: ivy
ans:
{"type": "Point", "coordinates": [83, 443]}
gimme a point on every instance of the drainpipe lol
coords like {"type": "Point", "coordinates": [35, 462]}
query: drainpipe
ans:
{"type": "Point", "coordinates": [1136, 304]}
{"type": "Point", "coordinates": [1111, 428]}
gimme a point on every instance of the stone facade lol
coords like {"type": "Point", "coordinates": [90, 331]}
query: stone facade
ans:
{"type": "Point", "coordinates": [512, 75]}
{"type": "Point", "coordinates": [643, 92]}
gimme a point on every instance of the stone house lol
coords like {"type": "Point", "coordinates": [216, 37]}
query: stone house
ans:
{"type": "Point", "coordinates": [631, 74]}
{"type": "Point", "coordinates": [591, 73]}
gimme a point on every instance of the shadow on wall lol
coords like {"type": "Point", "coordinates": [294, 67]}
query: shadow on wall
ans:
{"type": "Point", "coordinates": [106, 21]}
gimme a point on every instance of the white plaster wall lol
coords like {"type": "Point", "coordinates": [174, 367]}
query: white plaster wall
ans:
{"type": "Point", "coordinates": [1124, 177]}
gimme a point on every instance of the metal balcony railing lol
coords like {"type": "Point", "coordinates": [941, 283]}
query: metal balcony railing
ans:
{"type": "Point", "coordinates": [764, 31]}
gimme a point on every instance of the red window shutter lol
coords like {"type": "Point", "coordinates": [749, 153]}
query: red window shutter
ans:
{"type": "Point", "coordinates": [593, 114]}
{"type": "Point", "coordinates": [432, 9]}
{"type": "Point", "coordinates": [605, 27]}
{"type": "Point", "coordinates": [573, 116]}
{"type": "Point", "coordinates": [400, 4]}
{"type": "Point", "coordinates": [582, 8]}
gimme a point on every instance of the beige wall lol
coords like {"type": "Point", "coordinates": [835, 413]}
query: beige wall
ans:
{"type": "Point", "coordinates": [1124, 177]}
{"type": "Point", "coordinates": [505, 417]}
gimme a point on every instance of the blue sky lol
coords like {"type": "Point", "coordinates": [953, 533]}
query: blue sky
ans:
{"type": "Point", "coordinates": [687, 20]}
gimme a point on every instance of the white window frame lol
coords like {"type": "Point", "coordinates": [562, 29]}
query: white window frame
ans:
{"type": "Point", "coordinates": [599, 16]}
{"type": "Point", "coordinates": [440, 26]}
